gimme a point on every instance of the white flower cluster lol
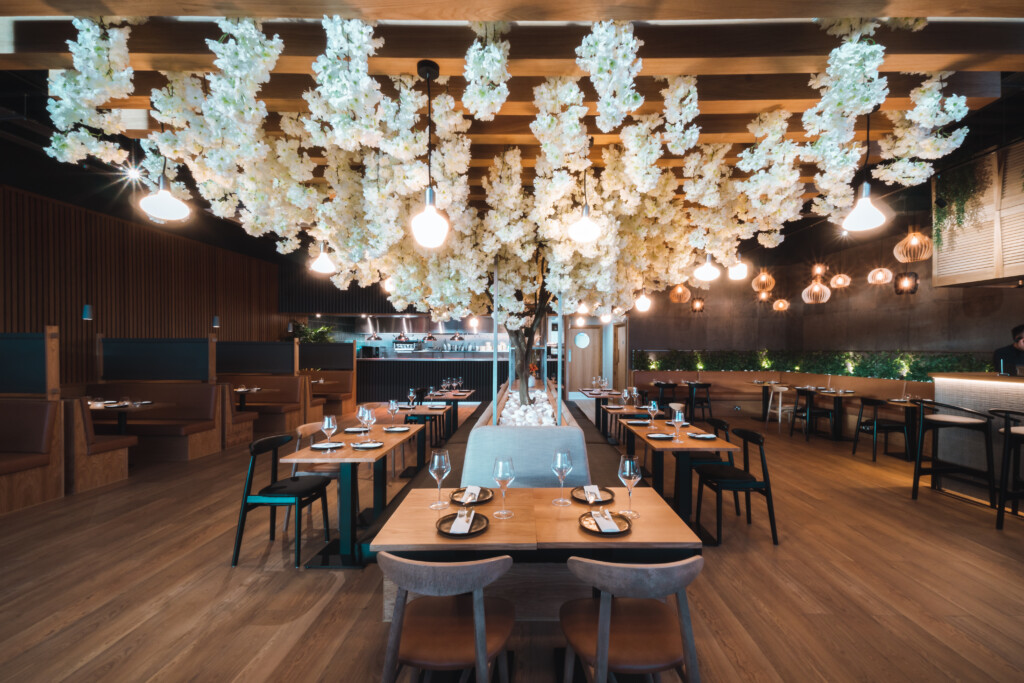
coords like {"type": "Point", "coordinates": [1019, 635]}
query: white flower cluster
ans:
{"type": "Point", "coordinates": [680, 110]}
{"type": "Point", "coordinates": [850, 87]}
{"type": "Point", "coordinates": [916, 135]}
{"type": "Point", "coordinates": [538, 413]}
{"type": "Point", "coordinates": [773, 190]}
{"type": "Point", "coordinates": [559, 124]}
{"type": "Point", "coordinates": [642, 147]}
{"type": "Point", "coordinates": [608, 54]}
{"type": "Point", "coordinates": [101, 73]}
{"type": "Point", "coordinates": [486, 70]}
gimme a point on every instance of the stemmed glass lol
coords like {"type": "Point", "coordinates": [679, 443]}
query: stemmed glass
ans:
{"type": "Point", "coordinates": [652, 409]}
{"type": "Point", "coordinates": [440, 466]}
{"type": "Point", "coordinates": [635, 395]}
{"type": "Point", "coordinates": [412, 396]}
{"type": "Point", "coordinates": [593, 382]}
{"type": "Point", "coordinates": [561, 465]}
{"type": "Point", "coordinates": [460, 383]}
{"type": "Point", "coordinates": [504, 473]}
{"type": "Point", "coordinates": [431, 394]}
{"type": "Point", "coordinates": [677, 420]}
{"type": "Point", "coordinates": [371, 419]}
{"type": "Point", "coordinates": [329, 426]}
{"type": "Point", "coordinates": [629, 475]}
{"type": "Point", "coordinates": [625, 397]}
{"type": "Point", "coordinates": [392, 410]}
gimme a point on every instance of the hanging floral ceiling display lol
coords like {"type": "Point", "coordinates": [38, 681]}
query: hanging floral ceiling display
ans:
{"type": "Point", "coordinates": [513, 258]}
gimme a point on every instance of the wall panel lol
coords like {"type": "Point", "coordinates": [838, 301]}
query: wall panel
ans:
{"type": "Point", "coordinates": [141, 282]}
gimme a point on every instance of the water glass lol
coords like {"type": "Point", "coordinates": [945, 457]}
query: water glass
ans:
{"type": "Point", "coordinates": [371, 419]}
{"type": "Point", "coordinates": [635, 395]}
{"type": "Point", "coordinates": [629, 475]}
{"type": "Point", "coordinates": [329, 426]}
{"type": "Point", "coordinates": [504, 473]}
{"type": "Point", "coordinates": [561, 465]}
{"type": "Point", "coordinates": [392, 409]}
{"type": "Point", "coordinates": [652, 409]}
{"type": "Point", "coordinates": [412, 396]}
{"type": "Point", "coordinates": [625, 397]}
{"type": "Point", "coordinates": [440, 466]}
{"type": "Point", "coordinates": [678, 419]}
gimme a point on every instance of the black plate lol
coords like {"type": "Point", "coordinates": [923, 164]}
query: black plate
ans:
{"type": "Point", "coordinates": [579, 496]}
{"type": "Point", "coordinates": [397, 429]}
{"type": "Point", "coordinates": [486, 495]}
{"type": "Point", "coordinates": [356, 430]}
{"type": "Point", "coordinates": [369, 446]}
{"type": "Point", "coordinates": [479, 525]}
{"type": "Point", "coordinates": [327, 446]}
{"type": "Point", "coordinates": [588, 519]}
{"type": "Point", "coordinates": [662, 436]}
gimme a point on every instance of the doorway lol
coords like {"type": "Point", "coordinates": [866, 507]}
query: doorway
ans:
{"type": "Point", "coordinates": [585, 353]}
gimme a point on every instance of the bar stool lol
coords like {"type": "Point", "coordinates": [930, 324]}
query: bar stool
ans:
{"type": "Point", "coordinates": [1010, 489]}
{"type": "Point", "coordinates": [665, 388]}
{"type": "Point", "coordinates": [874, 425]}
{"type": "Point", "coordinates": [780, 409]}
{"type": "Point", "coordinates": [973, 421]}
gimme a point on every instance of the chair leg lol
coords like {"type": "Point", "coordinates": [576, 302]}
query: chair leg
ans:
{"type": "Point", "coordinates": [718, 514]}
{"type": "Point", "coordinates": [700, 498]}
{"type": "Point", "coordinates": [323, 509]}
{"type": "Point", "coordinates": [503, 666]}
{"type": "Point", "coordinates": [746, 495]}
{"type": "Point", "coordinates": [287, 518]}
{"type": "Point", "coordinates": [273, 520]}
{"type": "Point", "coordinates": [569, 667]}
{"type": "Point", "coordinates": [917, 464]}
{"type": "Point", "coordinates": [298, 532]}
{"type": "Point", "coordinates": [874, 442]}
{"type": "Point", "coordinates": [736, 499]}
{"type": "Point", "coordinates": [238, 533]}
{"type": "Point", "coordinates": [991, 469]}
{"type": "Point", "coordinates": [1004, 482]}
{"type": "Point", "coordinates": [771, 514]}
{"type": "Point", "coordinates": [856, 437]}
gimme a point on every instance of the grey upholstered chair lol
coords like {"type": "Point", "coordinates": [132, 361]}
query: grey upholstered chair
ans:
{"type": "Point", "coordinates": [633, 632]}
{"type": "Point", "coordinates": [447, 629]}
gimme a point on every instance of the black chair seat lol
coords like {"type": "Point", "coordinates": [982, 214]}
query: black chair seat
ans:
{"type": "Point", "coordinates": [724, 472]}
{"type": "Point", "coordinates": [295, 487]}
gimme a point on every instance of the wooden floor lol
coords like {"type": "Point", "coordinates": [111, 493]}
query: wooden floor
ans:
{"type": "Point", "coordinates": [133, 583]}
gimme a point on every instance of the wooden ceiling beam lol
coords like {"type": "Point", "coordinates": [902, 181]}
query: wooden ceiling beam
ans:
{"type": "Point", "coordinates": [515, 10]}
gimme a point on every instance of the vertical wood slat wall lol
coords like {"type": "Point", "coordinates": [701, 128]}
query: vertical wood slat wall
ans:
{"type": "Point", "coordinates": [141, 282]}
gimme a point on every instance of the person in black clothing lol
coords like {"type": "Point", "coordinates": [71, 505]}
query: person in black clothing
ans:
{"type": "Point", "coordinates": [1011, 357]}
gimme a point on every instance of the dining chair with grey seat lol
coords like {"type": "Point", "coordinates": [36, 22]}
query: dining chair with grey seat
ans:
{"type": "Point", "coordinates": [629, 629]}
{"type": "Point", "coordinates": [308, 431]}
{"type": "Point", "coordinates": [453, 626]}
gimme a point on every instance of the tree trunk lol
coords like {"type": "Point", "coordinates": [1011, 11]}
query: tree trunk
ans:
{"type": "Point", "coordinates": [522, 342]}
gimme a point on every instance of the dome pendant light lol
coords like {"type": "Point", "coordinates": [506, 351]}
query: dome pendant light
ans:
{"type": "Point", "coordinates": [680, 294]}
{"type": "Point", "coordinates": [816, 293]}
{"type": "Point", "coordinates": [916, 246]}
{"type": "Point", "coordinates": [323, 263]}
{"type": "Point", "coordinates": [707, 272]}
{"type": "Point", "coordinates": [865, 216]}
{"type": "Point", "coordinates": [584, 230]}
{"type": "Point", "coordinates": [162, 206]}
{"type": "Point", "coordinates": [429, 227]}
{"type": "Point", "coordinates": [738, 271]}
{"type": "Point", "coordinates": [764, 282]}
{"type": "Point", "coordinates": [643, 302]}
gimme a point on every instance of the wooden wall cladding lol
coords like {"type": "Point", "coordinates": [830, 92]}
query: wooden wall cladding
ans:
{"type": "Point", "coordinates": [141, 281]}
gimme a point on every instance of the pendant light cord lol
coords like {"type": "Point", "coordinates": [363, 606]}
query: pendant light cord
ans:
{"type": "Point", "coordinates": [430, 137]}
{"type": "Point", "coordinates": [867, 146]}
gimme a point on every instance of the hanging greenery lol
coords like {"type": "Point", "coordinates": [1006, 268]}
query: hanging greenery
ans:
{"type": "Point", "coordinates": [312, 335]}
{"type": "Point", "coordinates": [958, 194]}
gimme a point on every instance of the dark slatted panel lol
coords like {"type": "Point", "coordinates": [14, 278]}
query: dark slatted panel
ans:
{"type": "Point", "coordinates": [141, 282]}
{"type": "Point", "coordinates": [304, 292]}
{"type": "Point", "coordinates": [382, 380]}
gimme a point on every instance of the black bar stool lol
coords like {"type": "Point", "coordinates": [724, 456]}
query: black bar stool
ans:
{"type": "Point", "coordinates": [1010, 487]}
{"type": "Point", "coordinates": [971, 420]}
{"type": "Point", "coordinates": [875, 425]}
{"type": "Point", "coordinates": [666, 389]}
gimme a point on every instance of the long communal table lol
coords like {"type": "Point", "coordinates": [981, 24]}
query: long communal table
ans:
{"type": "Point", "coordinates": [451, 398]}
{"type": "Point", "coordinates": [601, 397]}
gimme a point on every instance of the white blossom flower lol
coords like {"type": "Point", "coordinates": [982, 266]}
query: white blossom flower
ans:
{"type": "Point", "coordinates": [609, 55]}
{"type": "Point", "coordinates": [680, 110]}
{"type": "Point", "coordinates": [486, 70]}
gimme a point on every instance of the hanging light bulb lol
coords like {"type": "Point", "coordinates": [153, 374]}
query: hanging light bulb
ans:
{"type": "Point", "coordinates": [780, 305]}
{"type": "Point", "coordinates": [428, 226]}
{"type": "Point", "coordinates": [163, 206]}
{"type": "Point", "coordinates": [764, 297]}
{"type": "Point", "coordinates": [916, 246]}
{"type": "Point", "coordinates": [764, 282]}
{"type": "Point", "coordinates": [474, 323]}
{"type": "Point", "coordinates": [580, 321]}
{"type": "Point", "coordinates": [880, 276]}
{"type": "Point", "coordinates": [819, 269]}
{"type": "Point", "coordinates": [707, 272]}
{"type": "Point", "coordinates": [643, 302]}
{"type": "Point", "coordinates": [816, 293]}
{"type": "Point", "coordinates": [584, 230]}
{"type": "Point", "coordinates": [840, 280]}
{"type": "Point", "coordinates": [865, 216]}
{"type": "Point", "coordinates": [679, 294]}
{"type": "Point", "coordinates": [389, 285]}
{"type": "Point", "coordinates": [906, 283]}
{"type": "Point", "coordinates": [738, 271]}
{"type": "Point", "coordinates": [583, 309]}
{"type": "Point", "coordinates": [606, 318]}
{"type": "Point", "coordinates": [697, 305]}
{"type": "Point", "coordinates": [323, 262]}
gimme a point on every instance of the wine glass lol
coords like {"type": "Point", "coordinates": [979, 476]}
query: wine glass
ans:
{"type": "Point", "coordinates": [460, 383]}
{"type": "Point", "coordinates": [440, 466]}
{"type": "Point", "coordinates": [361, 414]}
{"type": "Point", "coordinates": [371, 419]}
{"type": "Point", "coordinates": [652, 409]}
{"type": "Point", "coordinates": [635, 395]}
{"type": "Point", "coordinates": [678, 419]}
{"type": "Point", "coordinates": [329, 426]}
{"type": "Point", "coordinates": [412, 396]}
{"type": "Point", "coordinates": [504, 474]}
{"type": "Point", "coordinates": [561, 465]}
{"type": "Point", "coordinates": [593, 382]}
{"type": "Point", "coordinates": [392, 409]}
{"type": "Point", "coordinates": [625, 397]}
{"type": "Point", "coordinates": [629, 475]}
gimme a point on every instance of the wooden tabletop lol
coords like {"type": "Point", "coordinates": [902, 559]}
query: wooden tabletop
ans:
{"type": "Point", "coordinates": [601, 393]}
{"type": "Point", "coordinates": [347, 454]}
{"type": "Point", "coordinates": [536, 524]}
{"type": "Point", "coordinates": [688, 442]}
{"type": "Point", "coordinates": [628, 410]}
{"type": "Point", "coordinates": [130, 408]}
{"type": "Point", "coordinates": [451, 395]}
{"type": "Point", "coordinates": [422, 410]}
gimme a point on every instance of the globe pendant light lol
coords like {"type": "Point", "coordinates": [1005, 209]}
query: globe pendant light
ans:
{"type": "Point", "coordinates": [816, 293]}
{"type": "Point", "coordinates": [162, 205]}
{"type": "Point", "coordinates": [880, 276]}
{"type": "Point", "coordinates": [429, 227]}
{"type": "Point", "coordinates": [764, 282]}
{"type": "Point", "coordinates": [916, 246]}
{"type": "Point", "coordinates": [840, 280]}
{"type": "Point", "coordinates": [764, 297]}
{"type": "Point", "coordinates": [606, 318]}
{"type": "Point", "coordinates": [780, 305]}
{"type": "Point", "coordinates": [906, 283]}
{"type": "Point", "coordinates": [680, 294]}
{"type": "Point", "coordinates": [584, 230]}
{"type": "Point", "coordinates": [697, 305]}
{"type": "Point", "coordinates": [865, 216]}
{"type": "Point", "coordinates": [738, 271]}
{"type": "Point", "coordinates": [707, 272]}
{"type": "Point", "coordinates": [323, 262]}
{"type": "Point", "coordinates": [643, 302]}
{"type": "Point", "coordinates": [389, 285]}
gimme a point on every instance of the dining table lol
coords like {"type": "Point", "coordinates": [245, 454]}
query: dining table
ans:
{"type": "Point", "coordinates": [681, 450]}
{"type": "Point", "coordinates": [619, 413]}
{"type": "Point", "coordinates": [837, 396]}
{"type": "Point", "coordinates": [601, 397]}
{"type": "Point", "coordinates": [539, 537]}
{"type": "Point", "coordinates": [451, 398]}
{"type": "Point", "coordinates": [766, 395]}
{"type": "Point", "coordinates": [428, 414]}
{"type": "Point", "coordinates": [243, 392]}
{"type": "Point", "coordinates": [345, 551]}
{"type": "Point", "coordinates": [123, 409]}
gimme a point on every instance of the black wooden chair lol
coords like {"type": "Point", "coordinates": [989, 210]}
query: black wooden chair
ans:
{"type": "Point", "coordinates": [955, 417]}
{"type": "Point", "coordinates": [666, 392]}
{"type": "Point", "coordinates": [1011, 489]}
{"type": "Point", "coordinates": [875, 425]}
{"type": "Point", "coordinates": [724, 477]}
{"type": "Point", "coordinates": [804, 409]}
{"type": "Point", "coordinates": [297, 492]}
{"type": "Point", "coordinates": [700, 393]}
{"type": "Point", "coordinates": [701, 459]}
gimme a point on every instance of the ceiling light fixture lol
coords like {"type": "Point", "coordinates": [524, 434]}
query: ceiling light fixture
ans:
{"type": "Point", "coordinates": [819, 269]}
{"type": "Point", "coordinates": [697, 305]}
{"type": "Point", "coordinates": [916, 246]}
{"type": "Point", "coordinates": [606, 318]}
{"type": "Point", "coordinates": [323, 263]}
{"type": "Point", "coordinates": [764, 297]}
{"type": "Point", "coordinates": [707, 272]}
{"type": "Point", "coordinates": [216, 322]}
{"type": "Point", "coordinates": [643, 302]}
{"type": "Point", "coordinates": [840, 280]}
{"type": "Point", "coordinates": [583, 309]}
{"type": "Point", "coordinates": [816, 293]}
{"type": "Point", "coordinates": [474, 322]}
{"type": "Point", "coordinates": [389, 285]}
{"type": "Point", "coordinates": [764, 282]}
{"type": "Point", "coordinates": [865, 215]}
{"type": "Point", "coordinates": [584, 230]}
{"type": "Point", "coordinates": [162, 206]}
{"type": "Point", "coordinates": [429, 227]}
{"type": "Point", "coordinates": [738, 271]}
{"type": "Point", "coordinates": [87, 312]}
{"type": "Point", "coordinates": [906, 283]}
{"type": "Point", "coordinates": [780, 305]}
{"type": "Point", "coordinates": [680, 294]}
{"type": "Point", "coordinates": [580, 321]}
{"type": "Point", "coordinates": [880, 276]}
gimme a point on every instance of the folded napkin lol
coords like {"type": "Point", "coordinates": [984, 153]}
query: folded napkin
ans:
{"type": "Point", "coordinates": [471, 494]}
{"type": "Point", "coordinates": [463, 522]}
{"type": "Point", "coordinates": [592, 493]}
{"type": "Point", "coordinates": [697, 435]}
{"type": "Point", "coordinates": [367, 445]}
{"type": "Point", "coordinates": [605, 522]}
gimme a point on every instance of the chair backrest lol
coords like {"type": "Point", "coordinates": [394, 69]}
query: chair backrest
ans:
{"type": "Point", "coordinates": [1010, 419]}
{"type": "Point", "coordinates": [717, 425]}
{"type": "Point", "coordinates": [927, 404]}
{"type": "Point", "coordinates": [804, 397]}
{"type": "Point", "coordinates": [751, 437]}
{"type": "Point", "coordinates": [421, 393]}
{"type": "Point", "coordinates": [306, 431]}
{"type": "Point", "coordinates": [268, 444]}
{"type": "Point", "coordinates": [871, 402]}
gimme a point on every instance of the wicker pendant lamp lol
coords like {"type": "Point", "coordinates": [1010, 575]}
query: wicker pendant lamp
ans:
{"type": "Point", "coordinates": [680, 294]}
{"type": "Point", "coordinates": [916, 246]}
{"type": "Point", "coordinates": [880, 276]}
{"type": "Point", "coordinates": [780, 305]}
{"type": "Point", "coordinates": [816, 293]}
{"type": "Point", "coordinates": [840, 280]}
{"type": "Point", "coordinates": [764, 282]}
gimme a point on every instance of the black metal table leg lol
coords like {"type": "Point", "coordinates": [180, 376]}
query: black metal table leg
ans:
{"type": "Point", "coordinates": [658, 471]}
{"type": "Point", "coordinates": [630, 443]}
{"type": "Point", "coordinates": [683, 485]}
{"type": "Point", "coordinates": [122, 422]}
{"type": "Point", "coordinates": [421, 448]}
{"type": "Point", "coordinates": [766, 402]}
{"type": "Point", "coordinates": [344, 551]}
